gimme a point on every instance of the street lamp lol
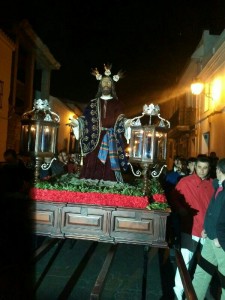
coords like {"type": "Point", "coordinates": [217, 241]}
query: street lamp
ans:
{"type": "Point", "coordinates": [213, 89]}
{"type": "Point", "coordinates": [39, 134]}
{"type": "Point", "coordinates": [148, 143]}
{"type": "Point", "coordinates": [197, 87]}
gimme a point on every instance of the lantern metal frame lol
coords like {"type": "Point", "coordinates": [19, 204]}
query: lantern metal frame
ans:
{"type": "Point", "coordinates": [39, 130]}
{"type": "Point", "coordinates": [148, 144]}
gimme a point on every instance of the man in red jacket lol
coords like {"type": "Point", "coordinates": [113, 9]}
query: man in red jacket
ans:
{"type": "Point", "coordinates": [213, 252]}
{"type": "Point", "coordinates": [190, 200]}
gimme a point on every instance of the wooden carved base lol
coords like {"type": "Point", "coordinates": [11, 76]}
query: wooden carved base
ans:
{"type": "Point", "coordinates": [100, 223]}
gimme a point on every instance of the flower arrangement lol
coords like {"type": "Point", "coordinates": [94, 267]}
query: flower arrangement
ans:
{"type": "Point", "coordinates": [70, 182]}
{"type": "Point", "coordinates": [157, 195]}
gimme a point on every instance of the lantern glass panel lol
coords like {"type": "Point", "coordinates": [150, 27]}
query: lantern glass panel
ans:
{"type": "Point", "coordinates": [160, 145]}
{"type": "Point", "coordinates": [38, 138]}
{"type": "Point", "coordinates": [45, 139]}
{"type": "Point", "coordinates": [148, 147]}
{"type": "Point", "coordinates": [137, 143]}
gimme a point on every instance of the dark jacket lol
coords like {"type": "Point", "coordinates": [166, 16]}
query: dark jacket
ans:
{"type": "Point", "coordinates": [214, 223]}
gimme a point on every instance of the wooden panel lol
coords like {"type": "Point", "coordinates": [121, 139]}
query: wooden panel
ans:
{"type": "Point", "coordinates": [76, 220]}
{"type": "Point", "coordinates": [43, 217]}
{"type": "Point", "coordinates": [47, 218]}
{"type": "Point", "coordinates": [132, 225]}
{"type": "Point", "coordinates": [86, 222]}
{"type": "Point", "coordinates": [139, 226]}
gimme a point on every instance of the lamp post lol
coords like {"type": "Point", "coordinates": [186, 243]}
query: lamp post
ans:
{"type": "Point", "coordinates": [148, 143]}
{"type": "Point", "coordinates": [39, 135]}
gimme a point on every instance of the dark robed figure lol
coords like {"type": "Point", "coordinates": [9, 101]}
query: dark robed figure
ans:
{"type": "Point", "coordinates": [101, 130]}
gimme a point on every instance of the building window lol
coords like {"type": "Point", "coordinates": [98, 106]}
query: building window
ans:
{"type": "Point", "coordinates": [205, 143]}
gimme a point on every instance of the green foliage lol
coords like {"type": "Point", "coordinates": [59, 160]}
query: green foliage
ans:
{"type": "Point", "coordinates": [69, 182]}
{"type": "Point", "coordinates": [154, 188]}
{"type": "Point", "coordinates": [156, 205]}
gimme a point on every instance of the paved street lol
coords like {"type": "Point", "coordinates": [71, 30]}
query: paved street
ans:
{"type": "Point", "coordinates": [125, 277]}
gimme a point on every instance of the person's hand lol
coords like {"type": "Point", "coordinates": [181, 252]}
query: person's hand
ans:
{"type": "Point", "coordinates": [216, 242]}
{"type": "Point", "coordinates": [127, 133]}
{"type": "Point", "coordinates": [128, 123]}
{"type": "Point", "coordinates": [203, 234]}
{"type": "Point", "coordinates": [74, 122]}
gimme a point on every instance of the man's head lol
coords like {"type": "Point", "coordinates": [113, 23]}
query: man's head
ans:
{"type": "Point", "coordinates": [191, 164]}
{"type": "Point", "coordinates": [178, 163]}
{"type": "Point", "coordinates": [63, 156]}
{"type": "Point", "coordinates": [10, 156]}
{"type": "Point", "coordinates": [220, 170]}
{"type": "Point", "coordinates": [106, 87]}
{"type": "Point", "coordinates": [202, 167]}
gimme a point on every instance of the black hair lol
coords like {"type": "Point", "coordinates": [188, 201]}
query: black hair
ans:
{"type": "Point", "coordinates": [178, 157]}
{"type": "Point", "coordinates": [10, 152]}
{"type": "Point", "coordinates": [203, 158]}
{"type": "Point", "coordinates": [191, 159]}
{"type": "Point", "coordinates": [221, 165]}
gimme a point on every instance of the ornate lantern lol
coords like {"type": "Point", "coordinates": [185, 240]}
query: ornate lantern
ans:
{"type": "Point", "coordinates": [39, 134]}
{"type": "Point", "coordinates": [148, 143]}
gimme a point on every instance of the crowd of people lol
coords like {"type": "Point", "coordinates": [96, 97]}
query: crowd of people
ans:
{"type": "Point", "coordinates": [195, 192]}
{"type": "Point", "coordinates": [21, 171]}
{"type": "Point", "coordinates": [62, 163]}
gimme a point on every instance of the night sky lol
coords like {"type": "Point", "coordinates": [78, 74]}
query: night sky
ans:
{"type": "Point", "coordinates": [151, 41]}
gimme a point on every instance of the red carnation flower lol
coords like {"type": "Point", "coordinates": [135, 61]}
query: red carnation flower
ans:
{"type": "Point", "coordinates": [159, 198]}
